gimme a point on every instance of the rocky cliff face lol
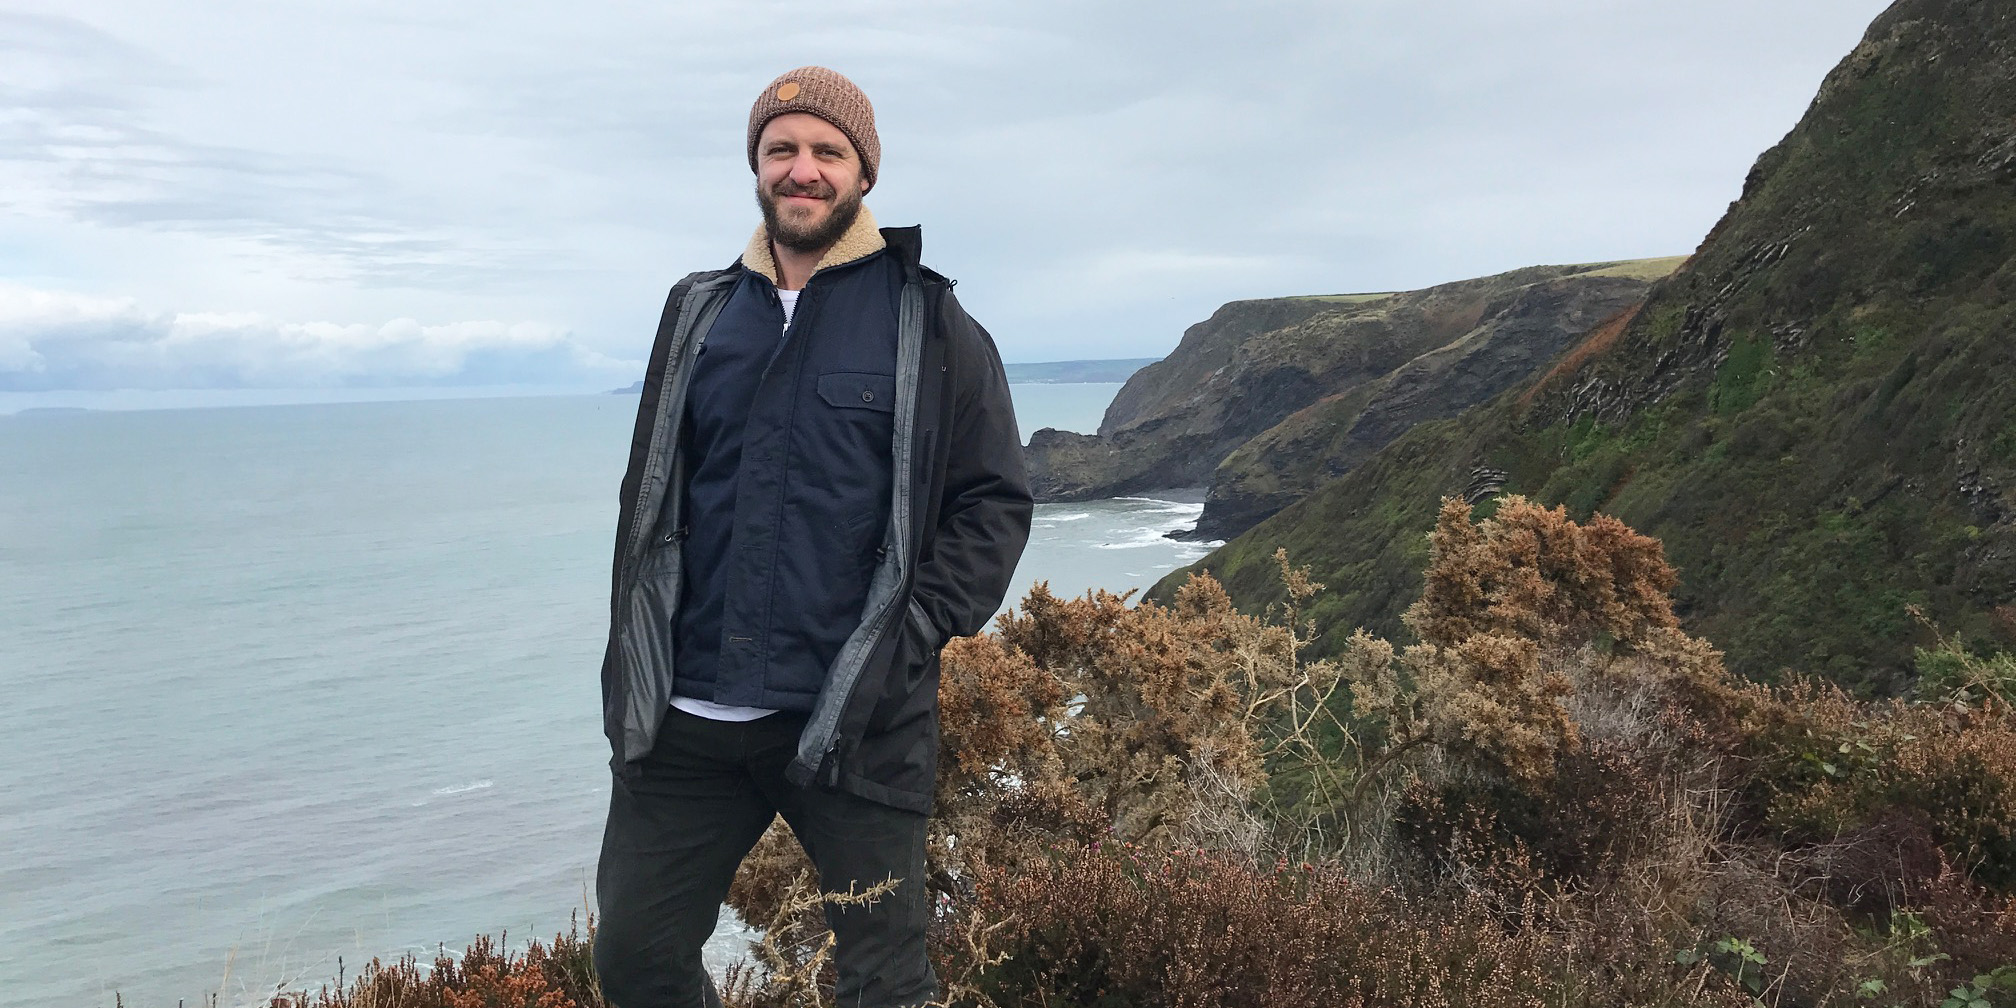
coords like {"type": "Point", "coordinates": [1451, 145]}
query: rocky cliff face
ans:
{"type": "Point", "coordinates": [1519, 332]}
{"type": "Point", "coordinates": [1232, 376]}
{"type": "Point", "coordinates": [1254, 365]}
{"type": "Point", "coordinates": [1816, 414]}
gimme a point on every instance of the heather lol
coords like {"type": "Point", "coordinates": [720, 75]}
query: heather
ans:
{"type": "Point", "coordinates": [1553, 796]}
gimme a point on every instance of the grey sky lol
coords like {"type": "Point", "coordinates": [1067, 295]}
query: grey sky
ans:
{"type": "Point", "coordinates": [523, 181]}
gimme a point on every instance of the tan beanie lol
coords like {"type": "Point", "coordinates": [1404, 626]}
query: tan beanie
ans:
{"type": "Point", "coordinates": [828, 95]}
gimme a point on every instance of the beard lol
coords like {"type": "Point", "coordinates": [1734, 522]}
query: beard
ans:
{"type": "Point", "coordinates": [814, 237]}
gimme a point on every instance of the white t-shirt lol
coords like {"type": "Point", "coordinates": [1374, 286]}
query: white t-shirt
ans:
{"type": "Point", "coordinates": [719, 712]}
{"type": "Point", "coordinates": [790, 299]}
{"type": "Point", "coordinates": [708, 708]}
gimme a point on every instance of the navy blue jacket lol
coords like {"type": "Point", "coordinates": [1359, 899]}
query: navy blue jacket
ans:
{"type": "Point", "coordinates": [788, 492]}
{"type": "Point", "coordinates": [958, 517]}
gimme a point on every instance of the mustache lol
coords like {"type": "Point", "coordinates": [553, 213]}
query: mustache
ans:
{"type": "Point", "coordinates": [817, 190]}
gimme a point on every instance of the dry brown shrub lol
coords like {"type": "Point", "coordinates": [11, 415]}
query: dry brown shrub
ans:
{"type": "Point", "coordinates": [1536, 631]}
{"type": "Point", "coordinates": [546, 975]}
{"type": "Point", "coordinates": [1090, 720]}
{"type": "Point", "coordinates": [794, 958]}
{"type": "Point", "coordinates": [1086, 720]}
{"type": "Point", "coordinates": [1190, 929]}
{"type": "Point", "coordinates": [1829, 765]}
{"type": "Point", "coordinates": [1531, 573]}
{"type": "Point", "coordinates": [1152, 690]}
{"type": "Point", "coordinates": [1959, 773]}
{"type": "Point", "coordinates": [1526, 618]}
{"type": "Point", "coordinates": [777, 889]}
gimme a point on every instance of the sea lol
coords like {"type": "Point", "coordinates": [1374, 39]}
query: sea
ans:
{"type": "Point", "coordinates": [284, 688]}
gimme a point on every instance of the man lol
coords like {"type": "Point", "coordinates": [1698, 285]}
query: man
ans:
{"type": "Point", "coordinates": [825, 484]}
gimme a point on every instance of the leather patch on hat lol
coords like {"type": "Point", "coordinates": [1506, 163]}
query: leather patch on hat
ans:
{"type": "Point", "coordinates": [787, 91]}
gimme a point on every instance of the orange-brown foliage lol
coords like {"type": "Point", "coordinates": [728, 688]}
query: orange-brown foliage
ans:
{"type": "Point", "coordinates": [1088, 720]}
{"type": "Point", "coordinates": [1517, 612]}
{"type": "Point", "coordinates": [1197, 929]}
{"type": "Point", "coordinates": [1530, 573]}
{"type": "Point", "coordinates": [558, 975]}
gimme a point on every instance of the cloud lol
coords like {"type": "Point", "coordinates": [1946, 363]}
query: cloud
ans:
{"type": "Point", "coordinates": [80, 140]}
{"type": "Point", "coordinates": [63, 340]}
{"type": "Point", "coordinates": [1100, 175]}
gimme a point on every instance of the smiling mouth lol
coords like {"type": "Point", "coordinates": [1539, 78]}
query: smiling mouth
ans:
{"type": "Point", "coordinates": [809, 195]}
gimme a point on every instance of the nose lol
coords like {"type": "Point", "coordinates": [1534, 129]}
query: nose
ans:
{"type": "Point", "coordinates": [805, 169]}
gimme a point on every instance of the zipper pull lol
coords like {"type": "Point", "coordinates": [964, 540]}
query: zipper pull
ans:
{"type": "Point", "coordinates": [829, 768]}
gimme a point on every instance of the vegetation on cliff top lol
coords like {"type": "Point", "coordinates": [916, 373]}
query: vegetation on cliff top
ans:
{"type": "Point", "coordinates": [1557, 797]}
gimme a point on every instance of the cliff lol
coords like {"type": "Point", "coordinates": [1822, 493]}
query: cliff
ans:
{"type": "Point", "coordinates": [1318, 379]}
{"type": "Point", "coordinates": [1816, 414]}
{"type": "Point", "coordinates": [1519, 332]}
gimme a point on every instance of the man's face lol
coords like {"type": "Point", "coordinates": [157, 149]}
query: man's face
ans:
{"type": "Point", "coordinates": [808, 181]}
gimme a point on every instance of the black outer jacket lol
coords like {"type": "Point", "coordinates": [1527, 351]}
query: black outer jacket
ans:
{"type": "Point", "coordinates": [959, 518]}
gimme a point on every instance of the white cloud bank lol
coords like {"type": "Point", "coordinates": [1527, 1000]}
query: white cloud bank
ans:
{"type": "Point", "coordinates": [1101, 176]}
{"type": "Point", "coordinates": [52, 340]}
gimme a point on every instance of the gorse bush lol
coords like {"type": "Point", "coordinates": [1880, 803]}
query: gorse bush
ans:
{"type": "Point", "coordinates": [1082, 722]}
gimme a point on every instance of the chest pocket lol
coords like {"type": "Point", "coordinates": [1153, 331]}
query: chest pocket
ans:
{"type": "Point", "coordinates": [859, 390]}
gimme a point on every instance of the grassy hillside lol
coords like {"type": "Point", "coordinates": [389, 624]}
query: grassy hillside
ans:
{"type": "Point", "coordinates": [1816, 414]}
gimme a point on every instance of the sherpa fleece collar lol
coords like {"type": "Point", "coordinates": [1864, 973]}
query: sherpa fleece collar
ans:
{"type": "Point", "coordinates": [861, 240]}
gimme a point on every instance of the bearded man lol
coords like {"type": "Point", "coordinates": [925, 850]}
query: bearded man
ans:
{"type": "Point", "coordinates": [825, 484]}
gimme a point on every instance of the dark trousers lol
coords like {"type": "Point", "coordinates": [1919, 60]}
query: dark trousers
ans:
{"type": "Point", "coordinates": [678, 830]}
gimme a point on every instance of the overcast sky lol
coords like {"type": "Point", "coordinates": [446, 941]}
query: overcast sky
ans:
{"type": "Point", "coordinates": [273, 193]}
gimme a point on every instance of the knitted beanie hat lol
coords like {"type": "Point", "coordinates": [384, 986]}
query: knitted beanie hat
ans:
{"type": "Point", "coordinates": [828, 95]}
